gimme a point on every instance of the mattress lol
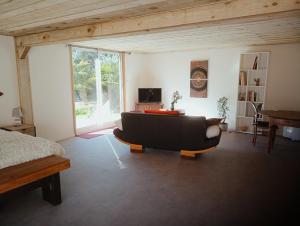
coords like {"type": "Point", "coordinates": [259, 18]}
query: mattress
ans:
{"type": "Point", "coordinates": [16, 148]}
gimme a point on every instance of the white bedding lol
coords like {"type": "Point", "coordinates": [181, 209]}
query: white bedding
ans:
{"type": "Point", "coordinates": [16, 148]}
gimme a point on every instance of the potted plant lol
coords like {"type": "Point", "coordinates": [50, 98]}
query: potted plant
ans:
{"type": "Point", "coordinates": [223, 112]}
{"type": "Point", "coordinates": [176, 97]}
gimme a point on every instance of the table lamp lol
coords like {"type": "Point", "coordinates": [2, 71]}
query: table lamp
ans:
{"type": "Point", "coordinates": [17, 114]}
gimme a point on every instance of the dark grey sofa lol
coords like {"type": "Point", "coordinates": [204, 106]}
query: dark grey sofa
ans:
{"type": "Point", "coordinates": [179, 133]}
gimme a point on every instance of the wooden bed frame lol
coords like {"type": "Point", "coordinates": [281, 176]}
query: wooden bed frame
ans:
{"type": "Point", "coordinates": [43, 172]}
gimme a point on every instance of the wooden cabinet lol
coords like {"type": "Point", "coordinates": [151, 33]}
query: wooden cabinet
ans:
{"type": "Point", "coordinates": [148, 106]}
{"type": "Point", "coordinates": [24, 128]}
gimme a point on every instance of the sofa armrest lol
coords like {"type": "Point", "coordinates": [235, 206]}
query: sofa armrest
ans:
{"type": "Point", "coordinates": [214, 141]}
{"type": "Point", "coordinates": [119, 134]}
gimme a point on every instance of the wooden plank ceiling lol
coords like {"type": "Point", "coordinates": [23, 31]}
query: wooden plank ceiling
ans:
{"type": "Point", "coordinates": [273, 31]}
{"type": "Point", "coordinates": [151, 25]}
{"type": "Point", "coordinates": [21, 17]}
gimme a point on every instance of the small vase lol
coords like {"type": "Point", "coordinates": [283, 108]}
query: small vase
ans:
{"type": "Point", "coordinates": [172, 106]}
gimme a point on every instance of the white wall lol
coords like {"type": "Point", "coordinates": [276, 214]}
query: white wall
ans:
{"type": "Point", "coordinates": [8, 80]}
{"type": "Point", "coordinates": [283, 87]}
{"type": "Point", "coordinates": [170, 71]}
{"type": "Point", "coordinates": [51, 83]}
{"type": "Point", "coordinates": [136, 76]}
{"type": "Point", "coordinates": [51, 91]}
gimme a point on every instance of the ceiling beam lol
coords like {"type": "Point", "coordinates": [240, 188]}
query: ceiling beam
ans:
{"type": "Point", "coordinates": [217, 12]}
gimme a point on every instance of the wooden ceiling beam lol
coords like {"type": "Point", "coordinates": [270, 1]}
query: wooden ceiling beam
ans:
{"type": "Point", "coordinates": [221, 11]}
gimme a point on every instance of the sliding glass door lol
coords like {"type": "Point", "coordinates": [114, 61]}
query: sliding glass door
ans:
{"type": "Point", "coordinates": [98, 93]}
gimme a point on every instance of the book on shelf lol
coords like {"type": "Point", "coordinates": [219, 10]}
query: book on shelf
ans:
{"type": "Point", "coordinates": [243, 78]}
{"type": "Point", "coordinates": [252, 96]}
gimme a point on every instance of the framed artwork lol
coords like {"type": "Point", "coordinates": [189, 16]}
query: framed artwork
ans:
{"type": "Point", "coordinates": [199, 79]}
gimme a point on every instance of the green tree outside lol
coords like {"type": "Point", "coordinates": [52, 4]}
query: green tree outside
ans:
{"type": "Point", "coordinates": [84, 73]}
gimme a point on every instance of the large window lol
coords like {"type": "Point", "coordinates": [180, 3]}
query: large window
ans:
{"type": "Point", "coordinates": [97, 88]}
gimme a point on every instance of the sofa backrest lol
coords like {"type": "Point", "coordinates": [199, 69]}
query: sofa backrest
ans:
{"type": "Point", "coordinates": [163, 131]}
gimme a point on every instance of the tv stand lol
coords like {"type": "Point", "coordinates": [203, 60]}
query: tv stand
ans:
{"type": "Point", "coordinates": [148, 106]}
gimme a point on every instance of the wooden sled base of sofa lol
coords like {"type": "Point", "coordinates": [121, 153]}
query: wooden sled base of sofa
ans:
{"type": "Point", "coordinates": [193, 154]}
{"type": "Point", "coordinates": [137, 148]}
{"type": "Point", "coordinates": [134, 148]}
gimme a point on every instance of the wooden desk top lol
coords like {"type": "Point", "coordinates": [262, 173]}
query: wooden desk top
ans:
{"type": "Point", "coordinates": [281, 114]}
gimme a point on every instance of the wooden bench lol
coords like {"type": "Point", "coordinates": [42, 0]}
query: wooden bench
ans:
{"type": "Point", "coordinates": [42, 172]}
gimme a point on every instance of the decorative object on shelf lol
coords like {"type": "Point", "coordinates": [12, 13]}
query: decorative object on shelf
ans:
{"type": "Point", "coordinates": [242, 96]}
{"type": "Point", "coordinates": [257, 81]}
{"type": "Point", "coordinates": [1, 94]}
{"type": "Point", "coordinates": [255, 63]}
{"type": "Point", "coordinates": [176, 97]}
{"type": "Point", "coordinates": [243, 78]}
{"type": "Point", "coordinates": [17, 114]}
{"type": "Point", "coordinates": [198, 79]}
{"type": "Point", "coordinates": [223, 112]}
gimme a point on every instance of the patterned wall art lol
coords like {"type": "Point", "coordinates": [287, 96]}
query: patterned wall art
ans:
{"type": "Point", "coordinates": [199, 79]}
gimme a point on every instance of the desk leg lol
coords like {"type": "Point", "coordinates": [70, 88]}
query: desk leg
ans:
{"type": "Point", "coordinates": [272, 135]}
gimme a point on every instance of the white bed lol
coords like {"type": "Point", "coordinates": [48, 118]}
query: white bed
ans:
{"type": "Point", "coordinates": [16, 148]}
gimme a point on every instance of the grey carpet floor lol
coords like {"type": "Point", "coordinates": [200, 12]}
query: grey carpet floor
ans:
{"type": "Point", "coordinates": [107, 185]}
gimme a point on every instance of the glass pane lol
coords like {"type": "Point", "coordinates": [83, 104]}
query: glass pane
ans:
{"type": "Point", "coordinates": [85, 91]}
{"type": "Point", "coordinates": [110, 86]}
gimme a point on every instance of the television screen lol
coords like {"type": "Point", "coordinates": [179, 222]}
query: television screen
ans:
{"type": "Point", "coordinates": [148, 95]}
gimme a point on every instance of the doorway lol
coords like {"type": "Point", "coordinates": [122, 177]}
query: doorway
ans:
{"type": "Point", "coordinates": [97, 88]}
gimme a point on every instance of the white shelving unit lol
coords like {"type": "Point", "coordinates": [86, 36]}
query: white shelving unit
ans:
{"type": "Point", "coordinates": [250, 89]}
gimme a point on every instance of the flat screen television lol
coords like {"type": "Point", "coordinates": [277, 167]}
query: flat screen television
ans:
{"type": "Point", "coordinates": [149, 95]}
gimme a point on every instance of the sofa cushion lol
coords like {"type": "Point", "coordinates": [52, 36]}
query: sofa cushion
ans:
{"type": "Point", "coordinates": [212, 131]}
{"type": "Point", "coordinates": [162, 112]}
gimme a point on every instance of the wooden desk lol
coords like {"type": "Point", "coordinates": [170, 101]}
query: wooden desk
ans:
{"type": "Point", "coordinates": [280, 118]}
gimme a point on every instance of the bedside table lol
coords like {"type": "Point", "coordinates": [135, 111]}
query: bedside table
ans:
{"type": "Point", "coordinates": [24, 128]}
